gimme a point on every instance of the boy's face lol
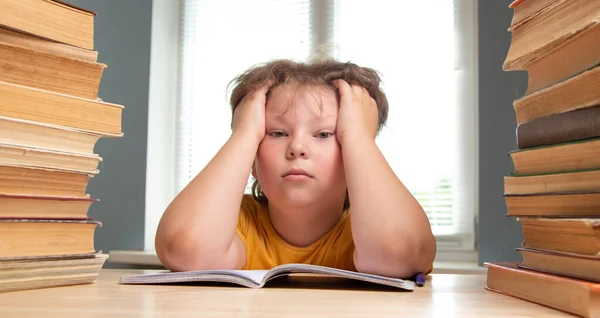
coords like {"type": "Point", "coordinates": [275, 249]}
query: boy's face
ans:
{"type": "Point", "coordinates": [299, 161]}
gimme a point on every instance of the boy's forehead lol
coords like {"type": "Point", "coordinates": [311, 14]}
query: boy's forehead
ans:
{"type": "Point", "coordinates": [320, 100]}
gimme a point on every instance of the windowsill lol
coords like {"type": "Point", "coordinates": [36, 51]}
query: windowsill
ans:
{"type": "Point", "coordinates": [149, 258]}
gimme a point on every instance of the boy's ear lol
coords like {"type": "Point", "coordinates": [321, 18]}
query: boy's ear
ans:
{"type": "Point", "coordinates": [253, 172]}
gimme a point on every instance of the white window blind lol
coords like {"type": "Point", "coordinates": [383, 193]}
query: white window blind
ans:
{"type": "Point", "coordinates": [424, 52]}
{"type": "Point", "coordinates": [220, 39]}
{"type": "Point", "coordinates": [419, 49]}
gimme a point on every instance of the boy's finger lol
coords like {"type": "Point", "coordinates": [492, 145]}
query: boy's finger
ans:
{"type": "Point", "coordinates": [342, 86]}
{"type": "Point", "coordinates": [261, 90]}
{"type": "Point", "coordinates": [266, 86]}
{"type": "Point", "coordinates": [366, 95]}
{"type": "Point", "coordinates": [356, 89]}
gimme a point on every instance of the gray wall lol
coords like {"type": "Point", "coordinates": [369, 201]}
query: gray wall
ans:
{"type": "Point", "coordinates": [498, 234]}
{"type": "Point", "coordinates": [122, 39]}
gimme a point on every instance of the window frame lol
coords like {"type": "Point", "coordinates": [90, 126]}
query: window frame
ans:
{"type": "Point", "coordinates": [163, 113]}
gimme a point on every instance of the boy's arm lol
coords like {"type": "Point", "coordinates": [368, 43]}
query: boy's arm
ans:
{"type": "Point", "coordinates": [198, 229]}
{"type": "Point", "coordinates": [391, 232]}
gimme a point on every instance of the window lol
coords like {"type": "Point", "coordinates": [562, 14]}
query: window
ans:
{"type": "Point", "coordinates": [425, 53]}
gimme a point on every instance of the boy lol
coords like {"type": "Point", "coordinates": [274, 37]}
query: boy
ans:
{"type": "Point", "coordinates": [323, 193]}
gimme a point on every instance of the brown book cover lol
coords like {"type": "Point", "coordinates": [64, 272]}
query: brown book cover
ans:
{"type": "Point", "coordinates": [570, 295]}
{"type": "Point", "coordinates": [574, 125]}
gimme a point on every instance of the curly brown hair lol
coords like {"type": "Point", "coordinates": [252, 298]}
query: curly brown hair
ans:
{"type": "Point", "coordinates": [315, 73]}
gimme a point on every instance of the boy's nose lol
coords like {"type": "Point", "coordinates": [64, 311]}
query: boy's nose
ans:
{"type": "Point", "coordinates": [296, 149]}
{"type": "Point", "coordinates": [294, 154]}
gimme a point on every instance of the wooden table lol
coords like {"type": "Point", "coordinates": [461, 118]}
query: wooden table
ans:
{"type": "Point", "coordinates": [445, 295]}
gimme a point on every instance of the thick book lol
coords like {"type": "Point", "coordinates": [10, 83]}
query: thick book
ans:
{"type": "Point", "coordinates": [552, 25]}
{"type": "Point", "coordinates": [27, 103]}
{"type": "Point", "coordinates": [577, 54]}
{"type": "Point", "coordinates": [579, 124]}
{"type": "Point", "coordinates": [59, 74]}
{"type": "Point", "coordinates": [51, 19]}
{"type": "Point", "coordinates": [577, 181]}
{"type": "Point", "coordinates": [260, 278]}
{"type": "Point", "coordinates": [26, 273]}
{"type": "Point", "coordinates": [525, 11]}
{"type": "Point", "coordinates": [572, 265]}
{"type": "Point", "coordinates": [578, 92]}
{"type": "Point", "coordinates": [554, 204]}
{"type": "Point", "coordinates": [21, 156]}
{"type": "Point", "coordinates": [15, 206]}
{"type": "Point", "coordinates": [570, 295]}
{"type": "Point", "coordinates": [572, 156]}
{"type": "Point", "coordinates": [32, 237]}
{"type": "Point", "coordinates": [35, 181]}
{"type": "Point", "coordinates": [37, 134]}
{"type": "Point", "coordinates": [33, 42]}
{"type": "Point", "coordinates": [566, 235]}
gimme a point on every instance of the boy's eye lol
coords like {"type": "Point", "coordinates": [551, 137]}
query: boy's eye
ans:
{"type": "Point", "coordinates": [278, 134]}
{"type": "Point", "coordinates": [324, 135]}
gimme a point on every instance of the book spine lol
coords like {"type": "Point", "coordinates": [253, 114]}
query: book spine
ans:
{"type": "Point", "coordinates": [571, 126]}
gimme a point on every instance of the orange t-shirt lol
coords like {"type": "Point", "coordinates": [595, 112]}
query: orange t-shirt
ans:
{"type": "Point", "coordinates": [265, 249]}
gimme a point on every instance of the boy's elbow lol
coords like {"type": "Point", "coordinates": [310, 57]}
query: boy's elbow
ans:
{"type": "Point", "coordinates": [399, 261]}
{"type": "Point", "coordinates": [184, 253]}
{"type": "Point", "coordinates": [177, 254]}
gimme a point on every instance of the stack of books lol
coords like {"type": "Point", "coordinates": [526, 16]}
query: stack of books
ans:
{"type": "Point", "coordinates": [50, 120]}
{"type": "Point", "coordinates": [554, 190]}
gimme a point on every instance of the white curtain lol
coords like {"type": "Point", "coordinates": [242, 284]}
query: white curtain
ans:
{"type": "Point", "coordinates": [424, 52]}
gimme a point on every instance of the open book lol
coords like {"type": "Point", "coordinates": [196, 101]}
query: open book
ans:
{"type": "Point", "coordinates": [258, 278]}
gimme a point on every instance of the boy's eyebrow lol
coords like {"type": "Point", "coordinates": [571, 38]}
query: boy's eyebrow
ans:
{"type": "Point", "coordinates": [282, 116]}
{"type": "Point", "coordinates": [324, 122]}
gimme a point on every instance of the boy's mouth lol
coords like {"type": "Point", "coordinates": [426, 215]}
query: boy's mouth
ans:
{"type": "Point", "coordinates": [296, 174]}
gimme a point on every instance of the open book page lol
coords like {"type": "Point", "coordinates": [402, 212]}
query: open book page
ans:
{"type": "Point", "coordinates": [248, 278]}
{"type": "Point", "coordinates": [315, 269]}
{"type": "Point", "coordinates": [258, 278]}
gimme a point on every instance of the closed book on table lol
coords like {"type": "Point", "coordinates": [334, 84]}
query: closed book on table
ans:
{"type": "Point", "coordinates": [570, 295]}
{"type": "Point", "coordinates": [29, 237]}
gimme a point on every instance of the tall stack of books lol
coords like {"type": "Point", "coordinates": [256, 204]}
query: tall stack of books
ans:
{"type": "Point", "coordinates": [50, 120]}
{"type": "Point", "coordinates": [554, 190]}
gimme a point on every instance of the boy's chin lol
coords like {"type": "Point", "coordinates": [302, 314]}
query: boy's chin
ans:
{"type": "Point", "coordinates": [302, 197]}
{"type": "Point", "coordinates": [292, 197]}
{"type": "Point", "coordinates": [297, 198]}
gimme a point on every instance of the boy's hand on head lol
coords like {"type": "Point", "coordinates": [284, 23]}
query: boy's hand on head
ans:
{"type": "Point", "coordinates": [249, 116]}
{"type": "Point", "coordinates": [357, 115]}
